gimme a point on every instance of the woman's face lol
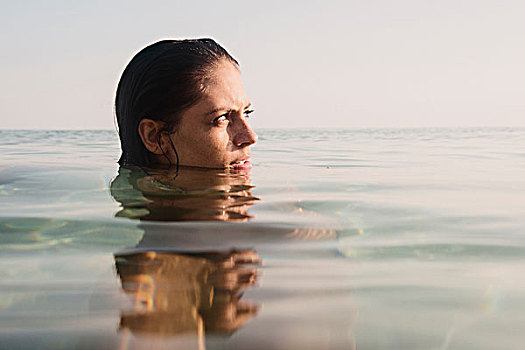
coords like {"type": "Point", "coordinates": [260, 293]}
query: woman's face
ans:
{"type": "Point", "coordinates": [214, 133]}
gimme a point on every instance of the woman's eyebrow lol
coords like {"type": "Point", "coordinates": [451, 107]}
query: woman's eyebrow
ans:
{"type": "Point", "coordinates": [226, 109]}
{"type": "Point", "coordinates": [220, 109]}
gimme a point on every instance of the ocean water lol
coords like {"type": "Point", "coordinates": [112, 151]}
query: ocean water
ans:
{"type": "Point", "coordinates": [336, 239]}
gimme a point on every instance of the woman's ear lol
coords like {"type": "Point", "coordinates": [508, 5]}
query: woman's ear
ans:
{"type": "Point", "coordinates": [150, 133]}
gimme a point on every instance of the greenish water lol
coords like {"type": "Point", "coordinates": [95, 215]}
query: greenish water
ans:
{"type": "Point", "coordinates": [375, 239]}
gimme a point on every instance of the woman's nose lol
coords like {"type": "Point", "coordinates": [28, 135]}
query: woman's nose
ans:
{"type": "Point", "coordinates": [244, 135]}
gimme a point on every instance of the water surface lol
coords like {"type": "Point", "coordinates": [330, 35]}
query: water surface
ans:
{"type": "Point", "coordinates": [337, 239]}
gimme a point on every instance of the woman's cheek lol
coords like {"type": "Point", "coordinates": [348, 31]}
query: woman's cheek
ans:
{"type": "Point", "coordinates": [210, 148]}
{"type": "Point", "coordinates": [219, 139]}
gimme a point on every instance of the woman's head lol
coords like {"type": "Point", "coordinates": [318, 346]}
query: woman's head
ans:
{"type": "Point", "coordinates": [183, 101]}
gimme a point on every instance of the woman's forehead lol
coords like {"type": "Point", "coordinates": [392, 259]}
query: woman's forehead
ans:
{"type": "Point", "coordinates": [225, 88]}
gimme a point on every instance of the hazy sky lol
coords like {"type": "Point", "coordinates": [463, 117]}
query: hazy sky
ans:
{"type": "Point", "coordinates": [370, 63]}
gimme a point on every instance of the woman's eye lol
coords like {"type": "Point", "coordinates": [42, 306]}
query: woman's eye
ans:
{"type": "Point", "coordinates": [221, 119]}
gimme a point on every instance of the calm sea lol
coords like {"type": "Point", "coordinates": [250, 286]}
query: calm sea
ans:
{"type": "Point", "coordinates": [337, 239]}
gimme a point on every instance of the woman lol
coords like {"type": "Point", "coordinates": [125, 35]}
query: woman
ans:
{"type": "Point", "coordinates": [183, 103]}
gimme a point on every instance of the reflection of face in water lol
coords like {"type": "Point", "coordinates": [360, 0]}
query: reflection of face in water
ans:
{"type": "Point", "coordinates": [187, 195]}
{"type": "Point", "coordinates": [184, 294]}
{"type": "Point", "coordinates": [189, 293]}
{"type": "Point", "coordinates": [189, 298]}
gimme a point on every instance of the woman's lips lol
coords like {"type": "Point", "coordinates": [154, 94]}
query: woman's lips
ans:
{"type": "Point", "coordinates": [243, 164]}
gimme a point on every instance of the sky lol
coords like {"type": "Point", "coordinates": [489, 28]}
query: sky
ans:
{"type": "Point", "coordinates": [353, 64]}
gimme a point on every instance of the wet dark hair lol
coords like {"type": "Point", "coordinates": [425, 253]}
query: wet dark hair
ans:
{"type": "Point", "coordinates": [161, 82]}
